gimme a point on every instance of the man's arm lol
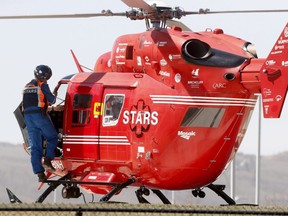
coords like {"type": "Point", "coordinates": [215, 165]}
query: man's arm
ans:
{"type": "Point", "coordinates": [55, 108]}
{"type": "Point", "coordinates": [48, 94]}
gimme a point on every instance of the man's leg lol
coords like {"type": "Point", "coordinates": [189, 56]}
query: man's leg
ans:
{"type": "Point", "coordinates": [49, 132]}
{"type": "Point", "coordinates": [35, 139]}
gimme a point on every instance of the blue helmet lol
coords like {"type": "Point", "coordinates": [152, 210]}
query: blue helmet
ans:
{"type": "Point", "coordinates": [42, 72]}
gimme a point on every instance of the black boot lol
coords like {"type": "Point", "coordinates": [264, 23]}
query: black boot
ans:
{"type": "Point", "coordinates": [41, 177]}
{"type": "Point", "coordinates": [48, 165]}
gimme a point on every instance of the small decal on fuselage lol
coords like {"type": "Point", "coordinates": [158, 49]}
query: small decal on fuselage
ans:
{"type": "Point", "coordinates": [186, 135]}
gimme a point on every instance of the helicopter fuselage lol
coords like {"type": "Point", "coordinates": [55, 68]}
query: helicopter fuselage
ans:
{"type": "Point", "coordinates": [182, 110]}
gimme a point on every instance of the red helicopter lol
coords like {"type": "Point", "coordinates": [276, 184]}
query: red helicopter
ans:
{"type": "Point", "coordinates": [166, 109]}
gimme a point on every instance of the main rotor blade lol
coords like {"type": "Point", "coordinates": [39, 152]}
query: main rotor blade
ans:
{"type": "Point", "coordinates": [63, 16]}
{"type": "Point", "coordinates": [139, 4]}
{"type": "Point", "coordinates": [207, 11]}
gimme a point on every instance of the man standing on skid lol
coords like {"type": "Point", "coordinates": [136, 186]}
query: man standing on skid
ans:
{"type": "Point", "coordinates": [36, 99]}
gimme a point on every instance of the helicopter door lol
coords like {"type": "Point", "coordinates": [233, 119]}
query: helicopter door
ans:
{"type": "Point", "coordinates": [81, 128]}
{"type": "Point", "coordinates": [113, 143]}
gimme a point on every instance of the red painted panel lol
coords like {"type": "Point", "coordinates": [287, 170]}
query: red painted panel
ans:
{"type": "Point", "coordinates": [81, 151]}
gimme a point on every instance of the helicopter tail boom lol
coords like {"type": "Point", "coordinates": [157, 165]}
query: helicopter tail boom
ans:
{"type": "Point", "coordinates": [274, 77]}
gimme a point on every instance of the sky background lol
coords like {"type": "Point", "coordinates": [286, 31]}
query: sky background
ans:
{"type": "Point", "coordinates": [24, 44]}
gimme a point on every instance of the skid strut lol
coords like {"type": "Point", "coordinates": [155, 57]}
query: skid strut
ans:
{"type": "Point", "coordinates": [72, 191]}
{"type": "Point", "coordinates": [144, 191]}
{"type": "Point", "coordinates": [219, 190]}
{"type": "Point", "coordinates": [52, 186]}
{"type": "Point", "coordinates": [117, 188]}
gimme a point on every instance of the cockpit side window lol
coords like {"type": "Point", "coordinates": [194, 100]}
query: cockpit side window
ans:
{"type": "Point", "coordinates": [203, 117]}
{"type": "Point", "coordinates": [81, 109]}
{"type": "Point", "coordinates": [113, 104]}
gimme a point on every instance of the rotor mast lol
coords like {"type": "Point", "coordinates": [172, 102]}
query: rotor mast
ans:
{"type": "Point", "coordinates": [155, 13]}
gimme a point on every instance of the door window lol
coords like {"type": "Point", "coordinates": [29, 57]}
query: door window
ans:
{"type": "Point", "coordinates": [113, 104]}
{"type": "Point", "coordinates": [81, 109]}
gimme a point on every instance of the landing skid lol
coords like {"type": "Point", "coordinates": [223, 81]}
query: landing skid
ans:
{"type": "Point", "coordinates": [12, 197]}
{"type": "Point", "coordinates": [71, 190]}
{"type": "Point", "coordinates": [75, 192]}
{"type": "Point", "coordinates": [218, 189]}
